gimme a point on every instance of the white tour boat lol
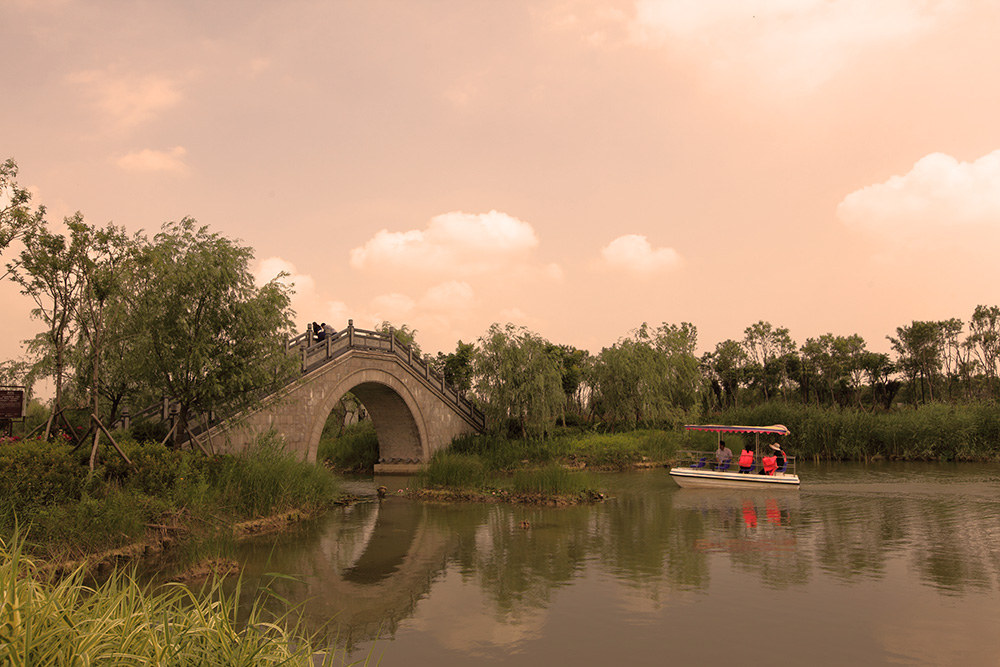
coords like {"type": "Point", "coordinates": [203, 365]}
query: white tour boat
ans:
{"type": "Point", "coordinates": [700, 470]}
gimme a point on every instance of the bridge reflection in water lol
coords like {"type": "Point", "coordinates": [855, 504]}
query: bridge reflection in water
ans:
{"type": "Point", "coordinates": [879, 558]}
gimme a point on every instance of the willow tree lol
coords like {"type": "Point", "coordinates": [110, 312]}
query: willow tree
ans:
{"type": "Point", "coordinates": [652, 375]}
{"type": "Point", "coordinates": [518, 379]}
{"type": "Point", "coordinates": [213, 339]}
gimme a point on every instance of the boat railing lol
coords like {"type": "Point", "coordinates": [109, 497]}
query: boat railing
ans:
{"type": "Point", "coordinates": [691, 458]}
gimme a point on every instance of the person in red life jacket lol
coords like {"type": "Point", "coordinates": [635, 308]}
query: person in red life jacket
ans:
{"type": "Point", "coordinates": [773, 462]}
{"type": "Point", "coordinates": [779, 455]}
{"type": "Point", "coordinates": [746, 459]}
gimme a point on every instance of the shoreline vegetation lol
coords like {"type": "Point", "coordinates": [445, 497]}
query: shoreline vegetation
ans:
{"type": "Point", "coordinates": [46, 620]}
{"type": "Point", "coordinates": [196, 507]}
{"type": "Point", "coordinates": [178, 501]}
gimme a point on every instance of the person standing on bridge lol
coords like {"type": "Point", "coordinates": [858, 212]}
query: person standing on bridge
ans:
{"type": "Point", "coordinates": [318, 332]}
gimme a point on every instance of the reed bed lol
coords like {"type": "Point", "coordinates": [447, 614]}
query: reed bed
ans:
{"type": "Point", "coordinates": [932, 432]}
{"type": "Point", "coordinates": [120, 622]}
{"type": "Point", "coordinates": [356, 450]}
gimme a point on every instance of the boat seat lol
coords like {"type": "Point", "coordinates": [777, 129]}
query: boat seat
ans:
{"type": "Point", "coordinates": [723, 466]}
{"type": "Point", "coordinates": [746, 469]}
{"type": "Point", "coordinates": [700, 463]}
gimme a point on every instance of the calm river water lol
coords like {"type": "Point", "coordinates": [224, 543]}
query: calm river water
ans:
{"type": "Point", "coordinates": [864, 565]}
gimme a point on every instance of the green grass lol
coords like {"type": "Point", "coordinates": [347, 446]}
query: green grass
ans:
{"type": "Point", "coordinates": [552, 479]}
{"type": "Point", "coordinates": [356, 450]}
{"type": "Point", "coordinates": [120, 622]}
{"type": "Point", "coordinates": [73, 512]}
{"type": "Point", "coordinates": [591, 450]}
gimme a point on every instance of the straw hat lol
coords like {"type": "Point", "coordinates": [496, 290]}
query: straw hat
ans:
{"type": "Point", "coordinates": [775, 447]}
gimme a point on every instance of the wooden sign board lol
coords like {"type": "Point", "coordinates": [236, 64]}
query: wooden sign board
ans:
{"type": "Point", "coordinates": [11, 402]}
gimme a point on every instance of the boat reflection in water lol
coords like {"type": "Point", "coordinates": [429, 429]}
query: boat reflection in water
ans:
{"type": "Point", "coordinates": [865, 564]}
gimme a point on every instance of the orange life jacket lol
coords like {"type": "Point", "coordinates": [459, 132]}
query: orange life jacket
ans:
{"type": "Point", "coordinates": [770, 464]}
{"type": "Point", "coordinates": [746, 458]}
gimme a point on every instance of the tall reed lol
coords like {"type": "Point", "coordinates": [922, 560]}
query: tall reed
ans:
{"type": "Point", "coordinates": [932, 432]}
{"type": "Point", "coordinates": [120, 622]}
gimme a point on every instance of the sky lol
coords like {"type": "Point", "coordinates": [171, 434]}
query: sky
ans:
{"type": "Point", "coordinates": [576, 167]}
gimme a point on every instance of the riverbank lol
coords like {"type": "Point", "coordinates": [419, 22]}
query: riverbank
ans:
{"type": "Point", "coordinates": [184, 502]}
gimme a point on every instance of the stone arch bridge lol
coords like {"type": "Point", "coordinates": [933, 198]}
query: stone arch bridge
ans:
{"type": "Point", "coordinates": [414, 411]}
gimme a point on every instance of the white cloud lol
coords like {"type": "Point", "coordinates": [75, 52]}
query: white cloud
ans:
{"type": "Point", "coordinates": [395, 308]}
{"type": "Point", "coordinates": [456, 243]}
{"type": "Point", "coordinates": [791, 45]}
{"type": "Point", "coordinates": [633, 253]}
{"type": "Point", "coordinates": [129, 100]}
{"type": "Point", "coordinates": [171, 161]}
{"type": "Point", "coordinates": [938, 193]}
{"type": "Point", "coordinates": [450, 296]}
{"type": "Point", "coordinates": [801, 43]}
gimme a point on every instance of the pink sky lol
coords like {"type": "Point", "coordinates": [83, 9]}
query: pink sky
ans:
{"type": "Point", "coordinates": [574, 166]}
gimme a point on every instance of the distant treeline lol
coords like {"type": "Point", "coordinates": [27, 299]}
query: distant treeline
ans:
{"type": "Point", "coordinates": [652, 377]}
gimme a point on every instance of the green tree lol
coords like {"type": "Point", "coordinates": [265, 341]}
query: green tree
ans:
{"type": "Point", "coordinates": [457, 366]}
{"type": "Point", "coordinates": [647, 377]}
{"type": "Point", "coordinates": [104, 261]}
{"type": "Point", "coordinates": [728, 365]}
{"type": "Point", "coordinates": [212, 339]}
{"type": "Point", "coordinates": [767, 347]}
{"type": "Point", "coordinates": [919, 348]}
{"type": "Point", "coordinates": [47, 270]}
{"type": "Point", "coordinates": [836, 362]}
{"type": "Point", "coordinates": [403, 335]}
{"type": "Point", "coordinates": [16, 216]}
{"type": "Point", "coordinates": [518, 379]}
{"type": "Point", "coordinates": [984, 341]}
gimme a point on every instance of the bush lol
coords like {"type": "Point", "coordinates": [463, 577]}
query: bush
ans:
{"type": "Point", "coordinates": [37, 473]}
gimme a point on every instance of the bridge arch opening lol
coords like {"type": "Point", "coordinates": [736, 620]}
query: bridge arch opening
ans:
{"type": "Point", "coordinates": [395, 414]}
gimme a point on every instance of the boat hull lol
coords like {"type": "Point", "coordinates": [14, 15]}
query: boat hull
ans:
{"type": "Point", "coordinates": [701, 478]}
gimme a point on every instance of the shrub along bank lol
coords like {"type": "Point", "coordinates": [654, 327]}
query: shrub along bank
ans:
{"type": "Point", "coordinates": [72, 512]}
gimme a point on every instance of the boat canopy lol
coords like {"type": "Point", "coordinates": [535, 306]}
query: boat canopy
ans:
{"type": "Point", "coordinates": [775, 429]}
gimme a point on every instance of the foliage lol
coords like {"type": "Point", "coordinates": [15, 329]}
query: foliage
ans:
{"type": "Point", "coordinates": [356, 450]}
{"type": "Point", "coordinates": [72, 510]}
{"type": "Point", "coordinates": [934, 432]}
{"type": "Point", "coordinates": [16, 216]}
{"type": "Point", "coordinates": [47, 270]}
{"type": "Point", "coordinates": [212, 339]}
{"type": "Point", "coordinates": [650, 377]}
{"type": "Point", "coordinates": [457, 367]}
{"type": "Point", "coordinates": [552, 479]}
{"type": "Point", "coordinates": [38, 473]}
{"type": "Point", "coordinates": [518, 378]}
{"type": "Point", "coordinates": [121, 622]}
{"type": "Point", "coordinates": [455, 470]}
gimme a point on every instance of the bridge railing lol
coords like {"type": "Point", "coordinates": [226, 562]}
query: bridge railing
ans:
{"type": "Point", "coordinates": [315, 352]}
